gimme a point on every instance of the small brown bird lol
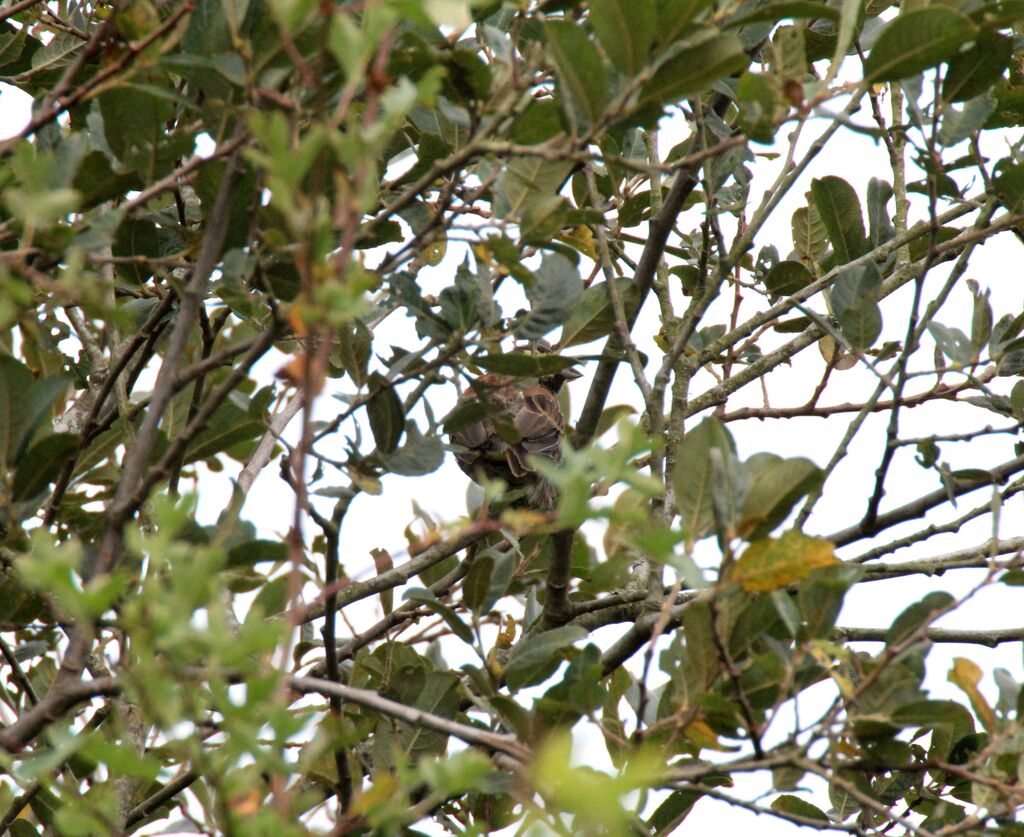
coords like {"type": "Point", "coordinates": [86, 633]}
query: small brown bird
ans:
{"type": "Point", "coordinates": [526, 419]}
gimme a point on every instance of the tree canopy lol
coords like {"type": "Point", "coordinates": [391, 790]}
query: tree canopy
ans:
{"type": "Point", "coordinates": [383, 200]}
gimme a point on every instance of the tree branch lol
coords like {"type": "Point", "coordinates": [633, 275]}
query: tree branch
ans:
{"type": "Point", "coordinates": [917, 508]}
{"type": "Point", "coordinates": [990, 639]}
{"type": "Point", "coordinates": [65, 695]}
{"type": "Point", "coordinates": [507, 744]}
{"type": "Point", "coordinates": [400, 575]}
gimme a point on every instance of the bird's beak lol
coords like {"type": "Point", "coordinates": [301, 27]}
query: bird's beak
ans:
{"type": "Point", "coordinates": [571, 374]}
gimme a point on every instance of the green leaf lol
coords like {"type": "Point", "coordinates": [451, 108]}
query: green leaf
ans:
{"type": "Point", "coordinates": [796, 10]}
{"type": "Point", "coordinates": [760, 102]}
{"type": "Point", "coordinates": [523, 179]}
{"type": "Point", "coordinates": [466, 415]}
{"type": "Point", "coordinates": [729, 484]}
{"type": "Point", "coordinates": [934, 714]}
{"type": "Point", "coordinates": [953, 342]}
{"type": "Point", "coordinates": [789, 804]}
{"type": "Point", "coordinates": [610, 416]}
{"type": "Point", "coordinates": [527, 191]}
{"type": "Point", "coordinates": [230, 429]}
{"type": "Point", "coordinates": [436, 692]}
{"type": "Point", "coordinates": [354, 349]}
{"type": "Point", "coordinates": [477, 583]}
{"type": "Point", "coordinates": [693, 474]}
{"type": "Point", "coordinates": [820, 597]}
{"type": "Point", "coordinates": [525, 364]}
{"type": "Point", "coordinates": [208, 31]}
{"type": "Point", "coordinates": [532, 662]}
{"type": "Point", "coordinates": [244, 200]}
{"type": "Point", "coordinates": [776, 485]}
{"type": "Point", "coordinates": [853, 298]}
{"type": "Point", "coordinates": [675, 17]}
{"type": "Point", "coordinates": [981, 319]}
{"type": "Point", "coordinates": [250, 553]}
{"type": "Point", "coordinates": [839, 210]}
{"type": "Point", "coordinates": [386, 414]}
{"type": "Point", "coordinates": [702, 660]}
{"type": "Point", "coordinates": [593, 317]}
{"type": "Point", "coordinates": [861, 324]}
{"type": "Point", "coordinates": [787, 277]}
{"type": "Point", "coordinates": [810, 238]}
{"type": "Point", "coordinates": [16, 49]}
{"type": "Point", "coordinates": [439, 696]}
{"type": "Point", "coordinates": [505, 566]}
{"type": "Point", "coordinates": [626, 30]}
{"type": "Point", "coordinates": [670, 813]}
{"type": "Point", "coordinates": [552, 298]}
{"type": "Point", "coordinates": [97, 182]}
{"type": "Point", "coordinates": [880, 226]}
{"type": "Point", "coordinates": [540, 120]}
{"type": "Point", "coordinates": [959, 124]}
{"type": "Point", "coordinates": [915, 41]}
{"type": "Point", "coordinates": [850, 20]}
{"type": "Point", "coordinates": [271, 599]}
{"type": "Point", "coordinates": [19, 605]}
{"type": "Point", "coordinates": [581, 73]}
{"type": "Point", "coordinates": [24, 405]}
{"type": "Point", "coordinates": [918, 614]}
{"type": "Point", "coordinates": [976, 70]}
{"type": "Point", "coordinates": [450, 617]}
{"type": "Point", "coordinates": [694, 70]}
{"type": "Point", "coordinates": [41, 464]}
{"type": "Point", "coordinates": [418, 456]}
{"type": "Point", "coordinates": [1008, 182]}
{"type": "Point", "coordinates": [1017, 410]}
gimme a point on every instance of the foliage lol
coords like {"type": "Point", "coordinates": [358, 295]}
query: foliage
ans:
{"type": "Point", "coordinates": [206, 184]}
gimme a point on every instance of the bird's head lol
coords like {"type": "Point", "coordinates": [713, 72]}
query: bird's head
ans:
{"type": "Point", "coordinates": [556, 381]}
{"type": "Point", "coordinates": [559, 379]}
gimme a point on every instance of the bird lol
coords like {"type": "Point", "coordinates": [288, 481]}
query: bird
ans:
{"type": "Point", "coordinates": [524, 418]}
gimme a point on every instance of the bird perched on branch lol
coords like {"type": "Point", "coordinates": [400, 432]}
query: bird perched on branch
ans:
{"type": "Point", "coordinates": [523, 417]}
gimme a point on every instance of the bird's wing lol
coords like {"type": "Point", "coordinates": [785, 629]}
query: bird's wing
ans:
{"type": "Point", "coordinates": [475, 441]}
{"type": "Point", "coordinates": [540, 423]}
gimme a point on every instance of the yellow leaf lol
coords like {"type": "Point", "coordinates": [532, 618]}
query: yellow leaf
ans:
{"type": "Point", "coordinates": [582, 238]}
{"type": "Point", "coordinates": [703, 736]}
{"type": "Point", "coordinates": [482, 254]}
{"type": "Point", "coordinates": [507, 633]}
{"type": "Point", "coordinates": [834, 353]}
{"type": "Point", "coordinates": [523, 520]}
{"type": "Point", "coordinates": [247, 805]}
{"type": "Point", "coordinates": [773, 563]}
{"type": "Point", "coordinates": [826, 654]}
{"type": "Point", "coordinates": [296, 374]}
{"type": "Point", "coordinates": [383, 789]}
{"type": "Point", "coordinates": [432, 254]}
{"type": "Point", "coordinates": [967, 675]}
{"type": "Point", "coordinates": [296, 317]}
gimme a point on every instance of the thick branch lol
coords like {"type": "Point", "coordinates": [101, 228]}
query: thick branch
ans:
{"type": "Point", "coordinates": [987, 638]}
{"type": "Point", "coordinates": [137, 458]}
{"type": "Point", "coordinates": [406, 612]}
{"type": "Point", "coordinates": [919, 507]}
{"type": "Point", "coordinates": [400, 575]}
{"type": "Point", "coordinates": [65, 695]}
{"type": "Point", "coordinates": [165, 794]}
{"type": "Point", "coordinates": [556, 606]}
{"type": "Point", "coordinates": [657, 237]}
{"type": "Point", "coordinates": [507, 744]}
